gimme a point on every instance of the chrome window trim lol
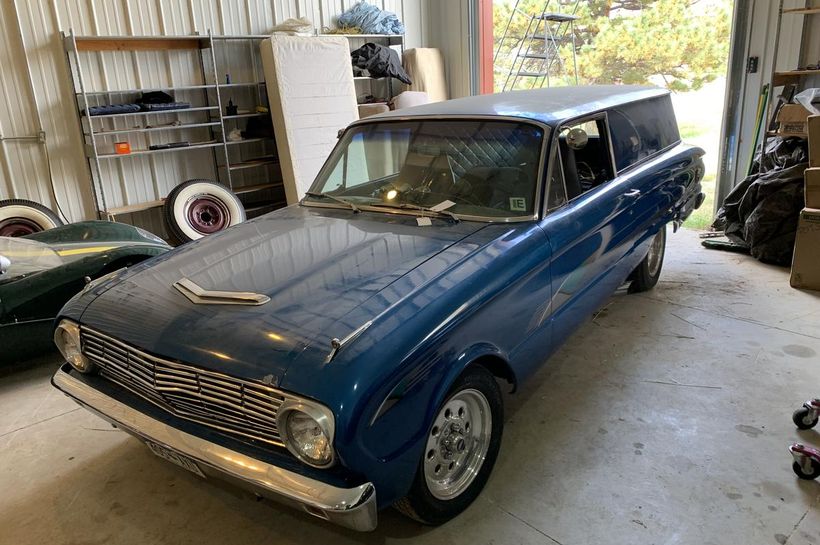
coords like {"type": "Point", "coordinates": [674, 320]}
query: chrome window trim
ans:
{"type": "Point", "coordinates": [539, 177]}
{"type": "Point", "coordinates": [601, 114]}
{"type": "Point", "coordinates": [560, 164]}
{"type": "Point", "coordinates": [418, 213]}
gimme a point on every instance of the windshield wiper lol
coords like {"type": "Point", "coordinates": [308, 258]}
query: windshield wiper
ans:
{"type": "Point", "coordinates": [346, 202]}
{"type": "Point", "coordinates": [410, 206]}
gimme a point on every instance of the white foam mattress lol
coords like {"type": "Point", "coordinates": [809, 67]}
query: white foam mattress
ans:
{"type": "Point", "coordinates": [312, 96]}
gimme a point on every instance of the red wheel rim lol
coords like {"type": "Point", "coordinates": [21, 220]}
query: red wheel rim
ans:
{"type": "Point", "coordinates": [207, 214]}
{"type": "Point", "coordinates": [18, 227]}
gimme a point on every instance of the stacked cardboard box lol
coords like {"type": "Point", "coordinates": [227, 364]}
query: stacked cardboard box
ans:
{"type": "Point", "coordinates": [806, 260]}
{"type": "Point", "coordinates": [792, 120]}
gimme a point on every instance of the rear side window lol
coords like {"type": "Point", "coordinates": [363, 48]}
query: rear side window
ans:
{"type": "Point", "coordinates": [641, 129]}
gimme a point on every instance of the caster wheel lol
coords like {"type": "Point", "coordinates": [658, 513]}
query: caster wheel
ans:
{"type": "Point", "coordinates": [815, 471]}
{"type": "Point", "coordinates": [801, 419]}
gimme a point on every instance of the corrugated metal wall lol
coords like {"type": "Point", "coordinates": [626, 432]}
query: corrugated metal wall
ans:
{"type": "Point", "coordinates": [38, 94]}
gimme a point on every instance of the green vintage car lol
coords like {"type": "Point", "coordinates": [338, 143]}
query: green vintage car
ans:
{"type": "Point", "coordinates": [41, 271]}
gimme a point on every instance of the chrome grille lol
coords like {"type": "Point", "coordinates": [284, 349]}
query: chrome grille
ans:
{"type": "Point", "coordinates": [229, 404]}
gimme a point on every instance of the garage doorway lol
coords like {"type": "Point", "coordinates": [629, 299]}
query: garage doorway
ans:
{"type": "Point", "coordinates": [681, 45]}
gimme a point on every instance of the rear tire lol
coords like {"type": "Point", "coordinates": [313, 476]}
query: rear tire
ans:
{"type": "Point", "coordinates": [460, 451]}
{"type": "Point", "coordinates": [197, 208]}
{"type": "Point", "coordinates": [19, 217]}
{"type": "Point", "coordinates": [647, 273]}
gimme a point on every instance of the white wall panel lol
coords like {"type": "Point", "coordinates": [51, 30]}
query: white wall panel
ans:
{"type": "Point", "coordinates": [37, 89]}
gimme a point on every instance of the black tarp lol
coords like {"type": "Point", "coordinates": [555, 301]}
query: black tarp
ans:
{"type": "Point", "coordinates": [762, 211]}
{"type": "Point", "coordinates": [379, 61]}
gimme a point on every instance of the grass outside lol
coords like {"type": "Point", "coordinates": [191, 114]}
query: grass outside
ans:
{"type": "Point", "coordinates": [701, 218]}
{"type": "Point", "coordinates": [699, 114]}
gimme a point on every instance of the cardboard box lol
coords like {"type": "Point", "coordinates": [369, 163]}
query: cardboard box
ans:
{"type": "Point", "coordinates": [792, 120]}
{"type": "Point", "coordinates": [806, 260]}
{"type": "Point", "coordinates": [814, 140]}
{"type": "Point", "coordinates": [812, 187]}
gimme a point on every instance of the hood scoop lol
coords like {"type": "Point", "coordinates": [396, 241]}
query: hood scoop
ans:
{"type": "Point", "coordinates": [200, 296]}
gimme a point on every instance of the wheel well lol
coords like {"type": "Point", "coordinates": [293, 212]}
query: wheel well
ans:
{"type": "Point", "coordinates": [499, 368]}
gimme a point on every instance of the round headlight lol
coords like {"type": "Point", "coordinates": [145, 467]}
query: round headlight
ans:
{"type": "Point", "coordinates": [307, 439]}
{"type": "Point", "coordinates": [307, 432]}
{"type": "Point", "coordinates": [67, 339]}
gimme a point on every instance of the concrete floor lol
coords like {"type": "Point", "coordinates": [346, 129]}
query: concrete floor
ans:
{"type": "Point", "coordinates": [663, 420]}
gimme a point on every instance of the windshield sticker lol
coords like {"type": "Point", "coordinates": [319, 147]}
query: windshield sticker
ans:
{"type": "Point", "coordinates": [518, 204]}
{"type": "Point", "coordinates": [424, 221]}
{"type": "Point", "coordinates": [444, 205]}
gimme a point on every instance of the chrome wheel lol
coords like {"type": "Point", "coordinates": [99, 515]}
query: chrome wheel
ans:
{"type": "Point", "coordinates": [457, 444]}
{"type": "Point", "coordinates": [655, 256]}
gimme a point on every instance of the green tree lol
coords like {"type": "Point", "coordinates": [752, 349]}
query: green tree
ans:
{"type": "Point", "coordinates": [684, 43]}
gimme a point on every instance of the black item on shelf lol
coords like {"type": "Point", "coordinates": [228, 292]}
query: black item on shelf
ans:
{"type": "Point", "coordinates": [161, 107]}
{"type": "Point", "coordinates": [155, 97]}
{"type": "Point", "coordinates": [231, 108]}
{"type": "Point", "coordinates": [109, 109]}
{"type": "Point", "coordinates": [259, 127]}
{"type": "Point", "coordinates": [169, 145]}
{"type": "Point", "coordinates": [379, 61]}
{"type": "Point", "coordinates": [159, 101]}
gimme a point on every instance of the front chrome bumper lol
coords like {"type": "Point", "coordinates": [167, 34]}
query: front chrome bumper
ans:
{"type": "Point", "coordinates": [350, 507]}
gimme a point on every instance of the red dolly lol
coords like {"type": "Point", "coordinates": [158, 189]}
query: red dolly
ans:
{"type": "Point", "coordinates": [806, 459]}
{"type": "Point", "coordinates": [806, 416]}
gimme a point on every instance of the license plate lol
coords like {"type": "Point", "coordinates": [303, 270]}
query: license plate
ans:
{"type": "Point", "coordinates": [175, 458]}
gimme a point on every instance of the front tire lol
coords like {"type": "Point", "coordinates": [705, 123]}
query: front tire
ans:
{"type": "Point", "coordinates": [460, 450]}
{"type": "Point", "coordinates": [646, 274]}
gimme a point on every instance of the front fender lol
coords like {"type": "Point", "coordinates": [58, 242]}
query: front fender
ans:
{"type": "Point", "coordinates": [391, 442]}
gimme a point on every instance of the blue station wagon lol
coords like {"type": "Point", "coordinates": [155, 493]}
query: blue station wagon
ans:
{"type": "Point", "coordinates": [348, 353]}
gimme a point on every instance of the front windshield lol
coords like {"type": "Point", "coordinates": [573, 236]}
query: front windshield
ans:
{"type": "Point", "coordinates": [486, 168]}
{"type": "Point", "coordinates": [27, 256]}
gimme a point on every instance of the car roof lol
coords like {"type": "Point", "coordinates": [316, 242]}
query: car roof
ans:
{"type": "Point", "coordinates": [550, 106]}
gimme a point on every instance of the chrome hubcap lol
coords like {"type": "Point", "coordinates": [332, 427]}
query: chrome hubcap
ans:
{"type": "Point", "coordinates": [653, 258]}
{"type": "Point", "coordinates": [457, 444]}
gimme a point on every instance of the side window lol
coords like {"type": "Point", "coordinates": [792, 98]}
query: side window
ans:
{"type": "Point", "coordinates": [585, 154]}
{"type": "Point", "coordinates": [641, 129]}
{"type": "Point", "coordinates": [556, 190]}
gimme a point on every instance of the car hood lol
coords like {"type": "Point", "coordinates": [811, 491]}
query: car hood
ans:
{"type": "Point", "coordinates": [315, 265]}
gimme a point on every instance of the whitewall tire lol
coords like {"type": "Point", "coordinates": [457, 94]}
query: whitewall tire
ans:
{"type": "Point", "coordinates": [19, 217]}
{"type": "Point", "coordinates": [197, 208]}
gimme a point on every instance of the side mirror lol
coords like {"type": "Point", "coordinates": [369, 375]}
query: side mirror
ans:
{"type": "Point", "coordinates": [577, 138]}
{"type": "Point", "coordinates": [5, 263]}
{"type": "Point", "coordinates": [340, 133]}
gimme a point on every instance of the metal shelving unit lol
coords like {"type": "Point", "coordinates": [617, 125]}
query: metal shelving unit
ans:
{"type": "Point", "coordinates": [206, 115]}
{"type": "Point", "coordinates": [780, 79]}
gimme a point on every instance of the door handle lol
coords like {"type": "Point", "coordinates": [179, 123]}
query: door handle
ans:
{"type": "Point", "coordinates": [633, 193]}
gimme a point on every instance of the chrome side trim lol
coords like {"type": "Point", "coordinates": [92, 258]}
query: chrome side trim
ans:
{"type": "Point", "coordinates": [353, 508]}
{"type": "Point", "coordinates": [336, 344]}
{"type": "Point", "coordinates": [200, 296]}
